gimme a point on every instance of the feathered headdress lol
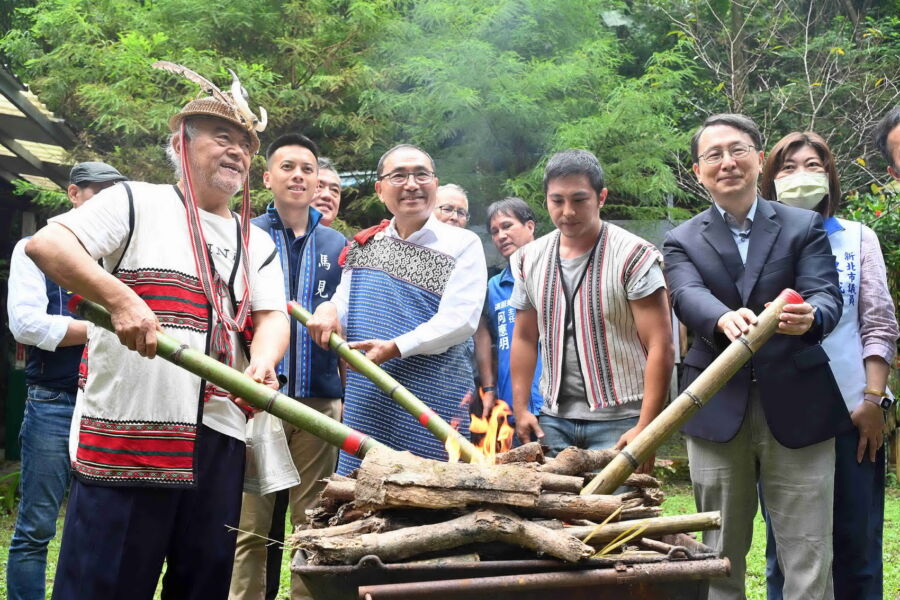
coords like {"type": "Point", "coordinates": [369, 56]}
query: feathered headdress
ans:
{"type": "Point", "coordinates": [232, 106]}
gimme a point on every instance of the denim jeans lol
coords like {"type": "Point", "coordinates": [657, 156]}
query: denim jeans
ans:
{"type": "Point", "coordinates": [560, 433]}
{"type": "Point", "coordinates": [44, 438]}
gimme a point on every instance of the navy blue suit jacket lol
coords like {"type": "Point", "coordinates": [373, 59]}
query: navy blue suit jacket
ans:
{"type": "Point", "coordinates": [788, 249]}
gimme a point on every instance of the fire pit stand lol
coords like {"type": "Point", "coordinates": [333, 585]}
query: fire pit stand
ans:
{"type": "Point", "coordinates": [679, 569]}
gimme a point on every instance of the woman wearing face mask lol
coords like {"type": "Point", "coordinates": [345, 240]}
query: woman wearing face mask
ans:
{"type": "Point", "coordinates": [800, 172]}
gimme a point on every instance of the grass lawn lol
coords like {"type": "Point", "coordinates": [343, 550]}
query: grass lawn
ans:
{"type": "Point", "coordinates": [679, 501]}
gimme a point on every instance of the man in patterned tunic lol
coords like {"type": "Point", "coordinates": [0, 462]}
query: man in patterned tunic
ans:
{"type": "Point", "coordinates": [410, 296]}
{"type": "Point", "coordinates": [595, 295]}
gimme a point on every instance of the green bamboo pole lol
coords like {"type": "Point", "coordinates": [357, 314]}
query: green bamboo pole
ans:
{"type": "Point", "coordinates": [692, 399]}
{"type": "Point", "coordinates": [254, 393]}
{"type": "Point", "coordinates": [390, 386]}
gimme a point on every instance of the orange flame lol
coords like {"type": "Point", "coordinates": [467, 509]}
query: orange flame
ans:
{"type": "Point", "coordinates": [498, 433]}
{"type": "Point", "coordinates": [453, 451]}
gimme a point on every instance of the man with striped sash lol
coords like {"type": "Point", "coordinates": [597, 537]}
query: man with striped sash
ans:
{"type": "Point", "coordinates": [595, 297]}
{"type": "Point", "coordinates": [158, 453]}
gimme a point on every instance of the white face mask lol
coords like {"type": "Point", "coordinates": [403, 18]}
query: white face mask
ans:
{"type": "Point", "coordinates": [803, 190]}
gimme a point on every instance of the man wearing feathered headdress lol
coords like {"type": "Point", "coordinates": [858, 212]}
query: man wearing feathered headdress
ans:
{"type": "Point", "coordinates": [158, 454]}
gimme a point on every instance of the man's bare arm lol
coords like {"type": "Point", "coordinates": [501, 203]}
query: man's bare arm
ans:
{"type": "Point", "coordinates": [522, 362]}
{"type": "Point", "coordinates": [652, 317]}
{"type": "Point", "coordinates": [487, 369]}
{"type": "Point", "coordinates": [59, 254]}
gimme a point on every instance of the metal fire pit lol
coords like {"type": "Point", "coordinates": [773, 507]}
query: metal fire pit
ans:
{"type": "Point", "coordinates": [681, 574]}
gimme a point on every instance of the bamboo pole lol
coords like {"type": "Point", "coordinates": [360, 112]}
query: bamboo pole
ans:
{"type": "Point", "coordinates": [254, 393]}
{"type": "Point", "coordinates": [692, 399]}
{"type": "Point", "coordinates": [656, 526]}
{"type": "Point", "coordinates": [399, 394]}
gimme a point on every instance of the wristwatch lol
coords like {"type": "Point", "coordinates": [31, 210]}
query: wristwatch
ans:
{"type": "Point", "coordinates": [877, 397]}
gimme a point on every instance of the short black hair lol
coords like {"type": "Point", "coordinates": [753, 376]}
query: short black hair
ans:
{"type": "Point", "coordinates": [512, 206]}
{"type": "Point", "coordinates": [739, 122]}
{"type": "Point", "coordinates": [292, 139]}
{"type": "Point", "coordinates": [575, 162]}
{"type": "Point", "coordinates": [882, 130]}
{"type": "Point", "coordinates": [380, 167]}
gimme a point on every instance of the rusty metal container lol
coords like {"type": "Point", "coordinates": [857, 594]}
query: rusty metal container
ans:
{"type": "Point", "coordinates": [682, 573]}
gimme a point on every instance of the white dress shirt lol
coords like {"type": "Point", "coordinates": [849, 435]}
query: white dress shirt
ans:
{"type": "Point", "coordinates": [26, 304]}
{"type": "Point", "coordinates": [463, 298]}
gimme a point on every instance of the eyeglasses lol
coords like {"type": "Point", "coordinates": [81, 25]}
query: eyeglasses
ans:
{"type": "Point", "coordinates": [737, 151]}
{"type": "Point", "coordinates": [400, 178]}
{"type": "Point", "coordinates": [449, 210]}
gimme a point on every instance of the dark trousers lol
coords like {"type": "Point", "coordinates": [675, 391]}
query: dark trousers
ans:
{"type": "Point", "coordinates": [274, 551]}
{"type": "Point", "coordinates": [115, 539]}
{"type": "Point", "coordinates": [858, 526]}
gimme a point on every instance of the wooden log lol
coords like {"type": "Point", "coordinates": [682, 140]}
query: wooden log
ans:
{"type": "Point", "coordinates": [693, 398]}
{"type": "Point", "coordinates": [400, 479]}
{"type": "Point", "coordinates": [655, 527]}
{"type": "Point", "coordinates": [339, 489]}
{"type": "Point", "coordinates": [367, 525]}
{"type": "Point", "coordinates": [640, 512]}
{"type": "Point", "coordinates": [573, 506]}
{"type": "Point", "coordinates": [575, 461]}
{"type": "Point", "coordinates": [526, 453]}
{"type": "Point", "coordinates": [551, 482]}
{"type": "Point", "coordinates": [641, 481]}
{"type": "Point", "coordinates": [477, 527]}
{"type": "Point", "coordinates": [344, 490]}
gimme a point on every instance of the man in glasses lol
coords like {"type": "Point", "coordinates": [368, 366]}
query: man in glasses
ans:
{"type": "Point", "coordinates": [452, 205]}
{"type": "Point", "coordinates": [410, 297]}
{"type": "Point", "coordinates": [773, 424]}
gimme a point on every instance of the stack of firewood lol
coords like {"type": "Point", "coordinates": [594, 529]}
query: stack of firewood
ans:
{"type": "Point", "coordinates": [400, 507]}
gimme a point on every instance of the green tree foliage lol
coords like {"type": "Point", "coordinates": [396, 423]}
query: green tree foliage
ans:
{"type": "Point", "coordinates": [828, 67]}
{"type": "Point", "coordinates": [301, 60]}
{"type": "Point", "coordinates": [491, 89]}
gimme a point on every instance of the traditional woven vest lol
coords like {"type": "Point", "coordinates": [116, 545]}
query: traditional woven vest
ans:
{"type": "Point", "coordinates": [139, 418]}
{"type": "Point", "coordinates": [611, 354]}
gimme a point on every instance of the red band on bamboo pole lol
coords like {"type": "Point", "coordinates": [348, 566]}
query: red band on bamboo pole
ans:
{"type": "Point", "coordinates": [291, 305]}
{"type": "Point", "coordinates": [426, 416]}
{"type": "Point", "coordinates": [353, 442]}
{"type": "Point", "coordinates": [790, 296]}
{"type": "Point", "coordinates": [74, 301]}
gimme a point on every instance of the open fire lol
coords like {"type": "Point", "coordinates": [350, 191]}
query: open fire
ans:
{"type": "Point", "coordinates": [495, 432]}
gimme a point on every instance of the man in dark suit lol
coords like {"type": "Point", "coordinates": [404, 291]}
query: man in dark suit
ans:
{"type": "Point", "coordinates": [773, 423]}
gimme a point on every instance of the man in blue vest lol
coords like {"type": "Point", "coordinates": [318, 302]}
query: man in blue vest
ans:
{"type": "Point", "coordinates": [511, 224]}
{"type": "Point", "coordinates": [55, 339]}
{"type": "Point", "coordinates": [309, 254]}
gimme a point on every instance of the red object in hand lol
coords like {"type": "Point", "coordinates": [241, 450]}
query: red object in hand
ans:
{"type": "Point", "coordinates": [790, 296]}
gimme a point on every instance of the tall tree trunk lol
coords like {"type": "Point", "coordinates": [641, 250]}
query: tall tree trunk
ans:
{"type": "Point", "coordinates": [738, 58]}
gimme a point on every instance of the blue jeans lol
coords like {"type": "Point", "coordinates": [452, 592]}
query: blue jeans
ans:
{"type": "Point", "coordinates": [44, 438]}
{"type": "Point", "coordinates": [858, 526]}
{"type": "Point", "coordinates": [560, 433]}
